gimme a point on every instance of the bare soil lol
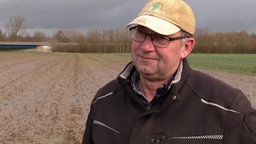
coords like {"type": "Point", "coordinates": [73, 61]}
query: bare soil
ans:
{"type": "Point", "coordinates": [45, 98]}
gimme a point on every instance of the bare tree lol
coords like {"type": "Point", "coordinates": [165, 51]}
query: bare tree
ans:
{"type": "Point", "coordinates": [39, 36]}
{"type": "Point", "coordinates": [15, 26]}
{"type": "Point", "coordinates": [69, 36]}
{"type": "Point", "coordinates": [2, 35]}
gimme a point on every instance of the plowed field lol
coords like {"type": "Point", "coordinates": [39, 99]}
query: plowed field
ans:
{"type": "Point", "coordinates": [45, 97]}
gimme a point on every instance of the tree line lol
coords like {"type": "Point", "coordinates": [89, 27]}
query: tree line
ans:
{"type": "Point", "coordinates": [228, 42]}
{"type": "Point", "coordinates": [118, 40]}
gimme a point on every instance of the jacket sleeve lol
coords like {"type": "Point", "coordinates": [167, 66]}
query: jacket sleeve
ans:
{"type": "Point", "coordinates": [241, 126]}
{"type": "Point", "coordinates": [87, 138]}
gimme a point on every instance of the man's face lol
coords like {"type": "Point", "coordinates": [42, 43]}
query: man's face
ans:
{"type": "Point", "coordinates": [156, 63]}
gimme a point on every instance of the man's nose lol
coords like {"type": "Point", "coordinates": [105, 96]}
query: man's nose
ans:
{"type": "Point", "coordinates": [147, 45]}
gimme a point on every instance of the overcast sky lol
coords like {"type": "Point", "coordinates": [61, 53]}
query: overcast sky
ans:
{"type": "Point", "coordinates": [49, 16]}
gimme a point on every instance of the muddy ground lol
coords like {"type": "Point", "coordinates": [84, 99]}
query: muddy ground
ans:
{"type": "Point", "coordinates": [45, 98]}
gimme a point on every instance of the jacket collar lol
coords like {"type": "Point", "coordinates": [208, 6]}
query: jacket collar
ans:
{"type": "Point", "coordinates": [177, 83]}
{"type": "Point", "coordinates": [128, 71]}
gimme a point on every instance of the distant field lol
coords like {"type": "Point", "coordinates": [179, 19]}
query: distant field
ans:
{"type": "Point", "coordinates": [236, 63]}
{"type": "Point", "coordinates": [45, 97]}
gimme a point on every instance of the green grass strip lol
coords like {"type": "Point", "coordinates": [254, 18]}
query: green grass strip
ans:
{"type": "Point", "coordinates": [235, 63]}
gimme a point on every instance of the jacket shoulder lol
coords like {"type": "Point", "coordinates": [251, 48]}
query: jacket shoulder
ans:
{"type": "Point", "coordinates": [210, 88]}
{"type": "Point", "coordinates": [111, 86]}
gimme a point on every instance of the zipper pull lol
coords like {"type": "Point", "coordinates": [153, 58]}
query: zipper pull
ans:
{"type": "Point", "coordinates": [157, 139]}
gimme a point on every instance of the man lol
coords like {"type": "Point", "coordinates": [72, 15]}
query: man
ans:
{"type": "Point", "coordinates": [159, 99]}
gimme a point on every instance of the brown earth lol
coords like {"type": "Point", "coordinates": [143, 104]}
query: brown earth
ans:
{"type": "Point", "coordinates": [45, 97]}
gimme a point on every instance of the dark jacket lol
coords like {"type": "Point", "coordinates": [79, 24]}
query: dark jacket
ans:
{"type": "Point", "coordinates": [197, 110]}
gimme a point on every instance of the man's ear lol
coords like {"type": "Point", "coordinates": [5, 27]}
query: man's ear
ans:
{"type": "Point", "coordinates": [187, 47]}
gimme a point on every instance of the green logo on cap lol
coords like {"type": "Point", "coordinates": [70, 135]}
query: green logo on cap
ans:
{"type": "Point", "coordinates": [156, 8]}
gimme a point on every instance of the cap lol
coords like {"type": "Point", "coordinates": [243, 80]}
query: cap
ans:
{"type": "Point", "coordinates": [166, 17]}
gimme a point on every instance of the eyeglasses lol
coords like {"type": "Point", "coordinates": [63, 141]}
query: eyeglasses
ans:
{"type": "Point", "coordinates": [158, 40]}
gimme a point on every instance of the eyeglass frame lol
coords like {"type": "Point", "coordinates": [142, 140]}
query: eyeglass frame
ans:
{"type": "Point", "coordinates": [151, 37]}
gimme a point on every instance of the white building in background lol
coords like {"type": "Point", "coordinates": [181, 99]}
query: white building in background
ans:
{"type": "Point", "coordinates": [43, 48]}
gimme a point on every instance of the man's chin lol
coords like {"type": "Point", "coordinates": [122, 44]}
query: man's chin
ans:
{"type": "Point", "coordinates": [146, 70]}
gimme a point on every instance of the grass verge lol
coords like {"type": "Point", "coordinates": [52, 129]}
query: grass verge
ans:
{"type": "Point", "coordinates": [235, 63]}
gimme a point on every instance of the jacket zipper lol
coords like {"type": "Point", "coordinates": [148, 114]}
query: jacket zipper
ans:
{"type": "Point", "coordinates": [212, 137]}
{"type": "Point", "coordinates": [159, 138]}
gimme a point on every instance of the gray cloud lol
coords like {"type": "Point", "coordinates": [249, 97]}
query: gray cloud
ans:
{"type": "Point", "coordinates": [217, 15]}
{"type": "Point", "coordinates": [225, 15]}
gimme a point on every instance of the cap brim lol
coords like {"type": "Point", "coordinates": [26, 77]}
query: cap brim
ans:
{"type": "Point", "coordinates": [156, 24]}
